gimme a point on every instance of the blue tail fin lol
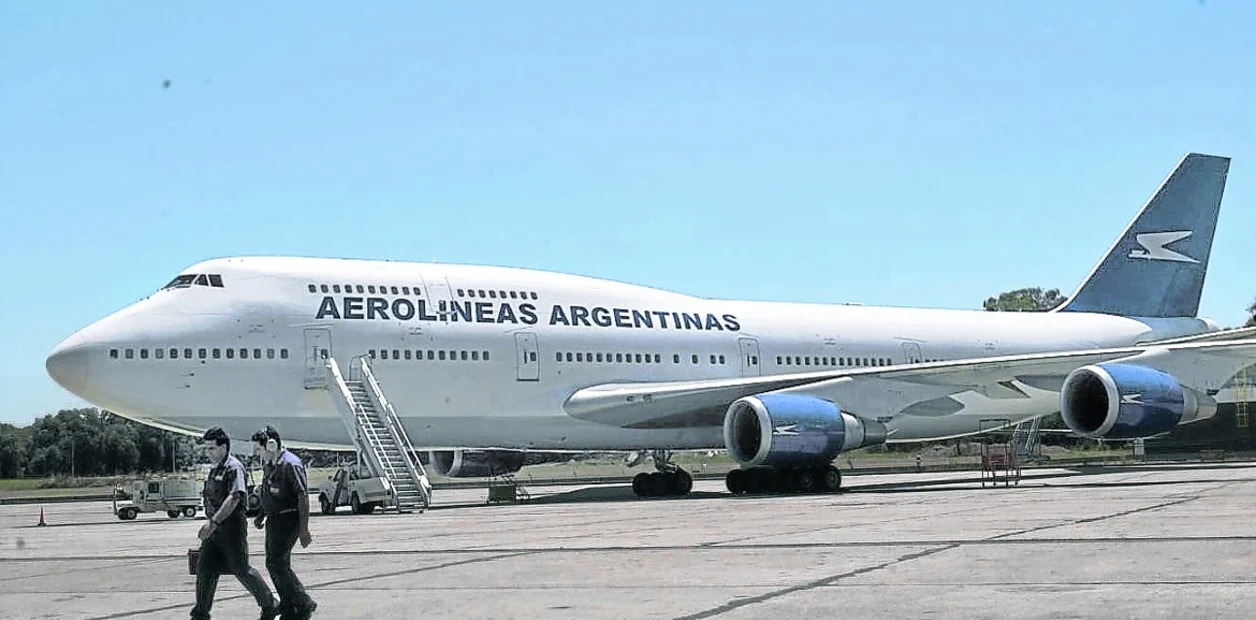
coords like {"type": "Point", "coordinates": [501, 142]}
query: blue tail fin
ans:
{"type": "Point", "coordinates": [1157, 267]}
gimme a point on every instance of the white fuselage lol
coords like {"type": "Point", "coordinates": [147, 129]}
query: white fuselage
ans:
{"type": "Point", "coordinates": [495, 368]}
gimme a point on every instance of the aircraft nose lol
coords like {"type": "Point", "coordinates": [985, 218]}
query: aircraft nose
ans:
{"type": "Point", "coordinates": [68, 364]}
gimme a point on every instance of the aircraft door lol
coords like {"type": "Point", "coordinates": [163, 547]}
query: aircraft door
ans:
{"type": "Point", "coordinates": [317, 350]}
{"type": "Point", "coordinates": [439, 298]}
{"type": "Point", "coordinates": [527, 358]}
{"type": "Point", "coordinates": [749, 357]}
{"type": "Point", "coordinates": [911, 352]}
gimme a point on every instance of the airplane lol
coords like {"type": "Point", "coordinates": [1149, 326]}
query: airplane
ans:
{"type": "Point", "coordinates": [485, 363]}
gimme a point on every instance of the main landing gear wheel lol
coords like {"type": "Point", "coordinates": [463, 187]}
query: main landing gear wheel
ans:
{"type": "Point", "coordinates": [674, 483]}
{"type": "Point", "coordinates": [787, 480]}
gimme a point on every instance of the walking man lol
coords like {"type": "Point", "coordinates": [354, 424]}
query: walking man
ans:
{"type": "Point", "coordinates": [286, 513]}
{"type": "Point", "coordinates": [224, 537]}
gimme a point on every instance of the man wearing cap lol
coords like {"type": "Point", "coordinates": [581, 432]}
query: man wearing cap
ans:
{"type": "Point", "coordinates": [224, 537]}
{"type": "Point", "coordinates": [286, 513]}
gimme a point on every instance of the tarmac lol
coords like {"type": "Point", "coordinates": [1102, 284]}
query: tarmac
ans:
{"type": "Point", "coordinates": [1113, 542]}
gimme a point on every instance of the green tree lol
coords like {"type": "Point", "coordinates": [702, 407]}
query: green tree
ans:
{"type": "Point", "coordinates": [1251, 316]}
{"type": "Point", "coordinates": [1025, 300]}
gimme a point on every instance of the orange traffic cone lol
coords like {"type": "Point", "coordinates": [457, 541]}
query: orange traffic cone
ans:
{"type": "Point", "coordinates": [41, 516]}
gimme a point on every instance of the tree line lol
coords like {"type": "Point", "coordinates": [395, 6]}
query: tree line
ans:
{"type": "Point", "coordinates": [90, 442]}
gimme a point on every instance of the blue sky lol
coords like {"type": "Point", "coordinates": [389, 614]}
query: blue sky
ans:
{"type": "Point", "coordinates": [899, 153]}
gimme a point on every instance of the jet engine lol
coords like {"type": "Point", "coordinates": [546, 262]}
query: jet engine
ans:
{"type": "Point", "coordinates": [1126, 401]}
{"type": "Point", "coordinates": [793, 429]}
{"type": "Point", "coordinates": [485, 463]}
{"type": "Point", "coordinates": [475, 463]}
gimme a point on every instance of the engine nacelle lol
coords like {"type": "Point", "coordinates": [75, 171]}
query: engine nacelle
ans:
{"type": "Point", "coordinates": [786, 429]}
{"type": "Point", "coordinates": [1126, 401]}
{"type": "Point", "coordinates": [475, 463]}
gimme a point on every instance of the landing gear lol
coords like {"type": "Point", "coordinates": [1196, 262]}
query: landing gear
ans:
{"type": "Point", "coordinates": [669, 481]}
{"type": "Point", "coordinates": [810, 479]}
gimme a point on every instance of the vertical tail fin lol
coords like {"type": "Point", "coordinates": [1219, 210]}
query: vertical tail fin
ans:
{"type": "Point", "coordinates": [1157, 267]}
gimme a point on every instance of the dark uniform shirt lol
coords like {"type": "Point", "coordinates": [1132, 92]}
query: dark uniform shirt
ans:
{"type": "Point", "coordinates": [224, 480]}
{"type": "Point", "coordinates": [284, 484]}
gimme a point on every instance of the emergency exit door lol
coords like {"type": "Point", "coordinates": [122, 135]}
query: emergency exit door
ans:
{"type": "Point", "coordinates": [749, 357]}
{"type": "Point", "coordinates": [317, 350]}
{"type": "Point", "coordinates": [527, 361]}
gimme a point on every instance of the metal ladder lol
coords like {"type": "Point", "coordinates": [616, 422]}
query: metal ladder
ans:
{"type": "Point", "coordinates": [1027, 439]}
{"type": "Point", "coordinates": [377, 433]}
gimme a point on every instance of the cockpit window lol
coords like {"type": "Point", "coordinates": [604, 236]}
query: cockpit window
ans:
{"type": "Point", "coordinates": [181, 281]}
{"type": "Point", "coordinates": [195, 279]}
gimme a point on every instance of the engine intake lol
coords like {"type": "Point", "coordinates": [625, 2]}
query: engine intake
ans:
{"type": "Point", "coordinates": [1126, 401]}
{"type": "Point", "coordinates": [789, 429]}
{"type": "Point", "coordinates": [475, 463]}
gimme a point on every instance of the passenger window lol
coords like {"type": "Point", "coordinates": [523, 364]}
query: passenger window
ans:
{"type": "Point", "coordinates": [174, 354]}
{"type": "Point", "coordinates": [143, 354]}
{"type": "Point", "coordinates": [405, 290]}
{"type": "Point", "coordinates": [569, 357]}
{"type": "Point", "coordinates": [514, 295]}
{"type": "Point", "coordinates": [360, 289]}
{"type": "Point", "coordinates": [335, 288]}
{"type": "Point", "coordinates": [323, 287]}
{"type": "Point", "coordinates": [676, 358]}
{"type": "Point", "coordinates": [599, 357]}
{"type": "Point", "coordinates": [393, 289]}
{"type": "Point", "coordinates": [270, 354]}
{"type": "Point", "coordinates": [113, 353]}
{"type": "Point", "coordinates": [230, 354]}
{"type": "Point", "coordinates": [721, 359]}
{"type": "Point", "coordinates": [218, 353]}
{"type": "Point", "coordinates": [638, 358]}
{"type": "Point", "coordinates": [313, 289]}
{"type": "Point", "coordinates": [558, 357]}
{"type": "Point", "coordinates": [461, 293]}
{"type": "Point", "coordinates": [283, 354]}
{"type": "Point", "coordinates": [579, 357]}
{"type": "Point", "coordinates": [200, 353]}
{"type": "Point", "coordinates": [159, 353]}
{"type": "Point", "coordinates": [531, 356]}
{"type": "Point", "coordinates": [503, 294]}
{"type": "Point", "coordinates": [492, 294]}
{"type": "Point", "coordinates": [695, 358]}
{"type": "Point", "coordinates": [463, 356]}
{"type": "Point", "coordinates": [407, 354]}
{"type": "Point", "coordinates": [371, 289]}
{"type": "Point", "coordinates": [396, 354]}
{"type": "Point", "coordinates": [533, 295]}
{"type": "Point", "coordinates": [442, 355]}
{"type": "Point", "coordinates": [431, 355]}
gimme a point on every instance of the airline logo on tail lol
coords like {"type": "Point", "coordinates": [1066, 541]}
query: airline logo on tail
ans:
{"type": "Point", "coordinates": [1154, 246]}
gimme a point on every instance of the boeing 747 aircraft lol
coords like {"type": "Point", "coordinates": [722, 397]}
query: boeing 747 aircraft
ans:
{"type": "Point", "coordinates": [482, 364]}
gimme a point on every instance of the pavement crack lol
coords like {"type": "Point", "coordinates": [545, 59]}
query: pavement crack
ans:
{"type": "Point", "coordinates": [819, 583]}
{"type": "Point", "coordinates": [316, 586]}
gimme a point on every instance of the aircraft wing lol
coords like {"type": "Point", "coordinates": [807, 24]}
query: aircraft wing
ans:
{"type": "Point", "coordinates": [906, 389]}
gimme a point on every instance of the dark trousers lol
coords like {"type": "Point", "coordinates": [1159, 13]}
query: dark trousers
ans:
{"type": "Point", "coordinates": [282, 532]}
{"type": "Point", "coordinates": [226, 551]}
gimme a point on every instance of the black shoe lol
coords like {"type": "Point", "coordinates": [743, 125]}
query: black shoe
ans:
{"type": "Point", "coordinates": [269, 613]}
{"type": "Point", "coordinates": [301, 614]}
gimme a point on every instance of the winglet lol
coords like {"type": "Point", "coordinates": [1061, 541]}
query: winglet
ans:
{"type": "Point", "coordinates": [1157, 267]}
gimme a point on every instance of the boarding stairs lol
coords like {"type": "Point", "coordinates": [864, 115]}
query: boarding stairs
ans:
{"type": "Point", "coordinates": [377, 433]}
{"type": "Point", "coordinates": [1027, 440]}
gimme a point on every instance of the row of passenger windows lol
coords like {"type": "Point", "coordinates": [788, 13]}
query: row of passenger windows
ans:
{"type": "Point", "coordinates": [498, 294]}
{"type": "Point", "coordinates": [201, 353]}
{"type": "Point", "coordinates": [634, 358]}
{"type": "Point", "coordinates": [798, 360]}
{"type": "Point", "coordinates": [429, 354]}
{"type": "Point", "coordinates": [370, 289]}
